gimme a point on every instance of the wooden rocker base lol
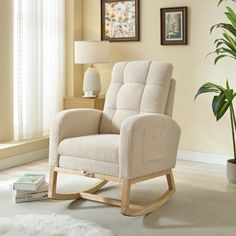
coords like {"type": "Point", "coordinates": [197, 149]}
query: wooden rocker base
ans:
{"type": "Point", "coordinates": [127, 208]}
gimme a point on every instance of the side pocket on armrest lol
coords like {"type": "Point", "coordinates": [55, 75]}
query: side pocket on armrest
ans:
{"type": "Point", "coordinates": [153, 144]}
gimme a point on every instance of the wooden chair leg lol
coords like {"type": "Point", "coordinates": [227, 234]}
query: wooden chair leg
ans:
{"type": "Point", "coordinates": [52, 193]}
{"type": "Point", "coordinates": [136, 210]}
{"type": "Point", "coordinates": [125, 201]}
{"type": "Point", "coordinates": [52, 183]}
{"type": "Point", "coordinates": [126, 207]}
{"type": "Point", "coordinates": [170, 180]}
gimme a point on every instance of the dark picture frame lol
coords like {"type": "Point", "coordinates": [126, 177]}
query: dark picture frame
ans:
{"type": "Point", "coordinates": [120, 20]}
{"type": "Point", "coordinates": [174, 23]}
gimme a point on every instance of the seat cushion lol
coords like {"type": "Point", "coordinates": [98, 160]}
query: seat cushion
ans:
{"type": "Point", "coordinates": [101, 147]}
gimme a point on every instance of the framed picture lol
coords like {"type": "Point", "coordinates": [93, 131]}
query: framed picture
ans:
{"type": "Point", "coordinates": [120, 20]}
{"type": "Point", "coordinates": [174, 26]}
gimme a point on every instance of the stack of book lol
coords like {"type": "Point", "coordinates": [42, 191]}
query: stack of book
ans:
{"type": "Point", "coordinates": [30, 187]}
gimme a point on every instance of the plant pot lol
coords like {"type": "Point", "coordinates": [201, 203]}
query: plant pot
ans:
{"type": "Point", "coordinates": [231, 171]}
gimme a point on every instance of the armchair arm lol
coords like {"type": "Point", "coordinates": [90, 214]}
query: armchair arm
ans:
{"type": "Point", "coordinates": [148, 144]}
{"type": "Point", "coordinates": [72, 123]}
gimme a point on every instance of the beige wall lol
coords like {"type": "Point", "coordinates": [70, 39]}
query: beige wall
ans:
{"type": "Point", "coordinates": [6, 67]}
{"type": "Point", "coordinates": [200, 132]}
{"type": "Point", "coordinates": [74, 17]}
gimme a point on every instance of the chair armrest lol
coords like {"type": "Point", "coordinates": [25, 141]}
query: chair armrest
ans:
{"type": "Point", "coordinates": [148, 144]}
{"type": "Point", "coordinates": [72, 123]}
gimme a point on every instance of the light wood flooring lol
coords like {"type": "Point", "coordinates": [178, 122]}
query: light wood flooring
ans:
{"type": "Point", "coordinates": [202, 175]}
{"type": "Point", "coordinates": [204, 202]}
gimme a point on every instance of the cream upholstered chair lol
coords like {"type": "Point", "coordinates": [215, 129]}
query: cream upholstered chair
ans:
{"type": "Point", "coordinates": [132, 140]}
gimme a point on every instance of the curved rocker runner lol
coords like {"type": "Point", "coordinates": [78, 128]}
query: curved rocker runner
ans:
{"type": "Point", "coordinates": [126, 207]}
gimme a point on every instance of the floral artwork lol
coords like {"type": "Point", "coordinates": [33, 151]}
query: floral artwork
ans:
{"type": "Point", "coordinates": [174, 26]}
{"type": "Point", "coordinates": [119, 20]}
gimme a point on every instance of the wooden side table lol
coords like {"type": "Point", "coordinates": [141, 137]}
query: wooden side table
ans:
{"type": "Point", "coordinates": [94, 103]}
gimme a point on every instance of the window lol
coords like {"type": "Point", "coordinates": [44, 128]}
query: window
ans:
{"type": "Point", "coordinates": [39, 50]}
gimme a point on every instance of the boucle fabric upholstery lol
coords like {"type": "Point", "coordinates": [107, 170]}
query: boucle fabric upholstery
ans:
{"type": "Point", "coordinates": [134, 136]}
{"type": "Point", "coordinates": [90, 166]}
{"type": "Point", "coordinates": [170, 99]}
{"type": "Point", "coordinates": [71, 123]}
{"type": "Point", "coordinates": [89, 147]}
{"type": "Point", "coordinates": [148, 145]}
{"type": "Point", "coordinates": [136, 87]}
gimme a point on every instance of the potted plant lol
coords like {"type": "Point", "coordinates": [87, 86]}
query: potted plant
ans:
{"type": "Point", "coordinates": [225, 46]}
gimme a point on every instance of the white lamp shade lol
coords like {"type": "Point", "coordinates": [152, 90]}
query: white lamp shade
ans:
{"type": "Point", "coordinates": [90, 52]}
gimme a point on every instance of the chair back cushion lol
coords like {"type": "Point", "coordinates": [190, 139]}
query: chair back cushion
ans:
{"type": "Point", "coordinates": [136, 87]}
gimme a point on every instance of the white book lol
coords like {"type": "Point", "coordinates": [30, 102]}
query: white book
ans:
{"type": "Point", "coordinates": [42, 188]}
{"type": "Point", "coordinates": [29, 181]}
{"type": "Point", "coordinates": [31, 197]}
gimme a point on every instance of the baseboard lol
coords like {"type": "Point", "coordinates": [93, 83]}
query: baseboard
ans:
{"type": "Point", "coordinates": [12, 161]}
{"type": "Point", "coordinates": [203, 157]}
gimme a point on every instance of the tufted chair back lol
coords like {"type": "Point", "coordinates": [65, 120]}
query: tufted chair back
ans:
{"type": "Point", "coordinates": [137, 87]}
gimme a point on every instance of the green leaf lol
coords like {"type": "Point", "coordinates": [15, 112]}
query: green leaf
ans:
{"type": "Point", "coordinates": [220, 105]}
{"type": "Point", "coordinates": [224, 47]}
{"type": "Point", "coordinates": [222, 102]}
{"type": "Point", "coordinates": [227, 27]}
{"type": "Point", "coordinates": [219, 44]}
{"type": "Point", "coordinates": [229, 94]}
{"type": "Point", "coordinates": [230, 40]}
{"type": "Point", "coordinates": [231, 16]}
{"type": "Point", "coordinates": [227, 84]}
{"type": "Point", "coordinates": [225, 42]}
{"type": "Point", "coordinates": [220, 2]}
{"type": "Point", "coordinates": [232, 52]}
{"type": "Point", "coordinates": [230, 28]}
{"type": "Point", "coordinates": [206, 90]}
{"type": "Point", "coordinates": [209, 88]}
{"type": "Point", "coordinates": [222, 111]}
{"type": "Point", "coordinates": [217, 40]}
{"type": "Point", "coordinates": [219, 57]}
{"type": "Point", "coordinates": [214, 27]}
{"type": "Point", "coordinates": [217, 103]}
{"type": "Point", "coordinates": [223, 50]}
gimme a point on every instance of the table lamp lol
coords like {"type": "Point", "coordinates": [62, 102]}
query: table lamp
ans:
{"type": "Point", "coordinates": [90, 52]}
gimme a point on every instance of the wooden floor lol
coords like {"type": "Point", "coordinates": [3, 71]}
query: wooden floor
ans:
{"type": "Point", "coordinates": [196, 174]}
{"type": "Point", "coordinates": [205, 176]}
{"type": "Point", "coordinates": [204, 203]}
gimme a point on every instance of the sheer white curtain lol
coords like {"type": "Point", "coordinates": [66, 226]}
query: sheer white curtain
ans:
{"type": "Point", "coordinates": [38, 66]}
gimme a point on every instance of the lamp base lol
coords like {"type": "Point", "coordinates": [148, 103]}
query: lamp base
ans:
{"type": "Point", "coordinates": [92, 84]}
